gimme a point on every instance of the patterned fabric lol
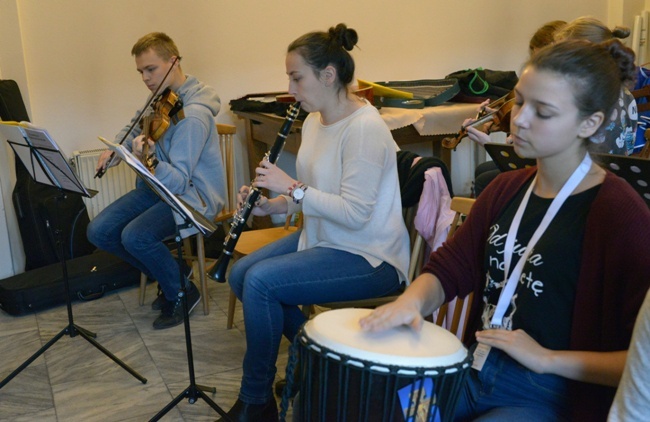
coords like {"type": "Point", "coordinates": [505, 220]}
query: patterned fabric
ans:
{"type": "Point", "coordinates": [619, 135]}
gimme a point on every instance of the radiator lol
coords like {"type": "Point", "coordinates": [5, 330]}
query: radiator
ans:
{"type": "Point", "coordinates": [117, 181]}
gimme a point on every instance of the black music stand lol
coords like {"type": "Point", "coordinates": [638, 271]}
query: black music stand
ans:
{"type": "Point", "coordinates": [191, 220]}
{"type": "Point", "coordinates": [505, 157]}
{"type": "Point", "coordinates": [635, 170]}
{"type": "Point", "coordinates": [46, 164]}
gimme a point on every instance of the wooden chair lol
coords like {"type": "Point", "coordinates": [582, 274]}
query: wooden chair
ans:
{"type": "Point", "coordinates": [195, 256]}
{"type": "Point", "coordinates": [461, 206]}
{"type": "Point", "coordinates": [227, 144]}
{"type": "Point", "coordinates": [250, 241]}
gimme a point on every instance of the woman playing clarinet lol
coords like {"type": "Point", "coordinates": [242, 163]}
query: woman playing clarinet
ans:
{"type": "Point", "coordinates": [353, 244]}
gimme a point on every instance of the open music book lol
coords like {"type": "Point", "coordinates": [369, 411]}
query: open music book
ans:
{"type": "Point", "coordinates": [180, 207]}
{"type": "Point", "coordinates": [42, 157]}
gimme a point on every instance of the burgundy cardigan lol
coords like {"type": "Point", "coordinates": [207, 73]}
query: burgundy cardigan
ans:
{"type": "Point", "coordinates": [614, 272]}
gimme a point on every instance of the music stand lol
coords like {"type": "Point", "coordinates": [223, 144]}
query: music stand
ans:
{"type": "Point", "coordinates": [191, 220]}
{"type": "Point", "coordinates": [46, 164]}
{"type": "Point", "coordinates": [636, 171]}
{"type": "Point", "coordinates": [505, 158]}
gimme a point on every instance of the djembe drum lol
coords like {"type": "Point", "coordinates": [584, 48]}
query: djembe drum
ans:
{"type": "Point", "coordinates": [396, 375]}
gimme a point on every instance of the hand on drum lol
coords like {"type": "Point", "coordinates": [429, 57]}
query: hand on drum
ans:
{"type": "Point", "coordinates": [271, 177]}
{"type": "Point", "coordinates": [392, 315]}
{"type": "Point", "coordinates": [518, 345]}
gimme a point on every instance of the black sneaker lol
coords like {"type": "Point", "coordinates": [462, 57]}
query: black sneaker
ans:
{"type": "Point", "coordinates": [172, 312]}
{"type": "Point", "coordinates": [160, 299]}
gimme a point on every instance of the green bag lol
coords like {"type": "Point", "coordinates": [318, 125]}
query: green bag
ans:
{"type": "Point", "coordinates": [485, 83]}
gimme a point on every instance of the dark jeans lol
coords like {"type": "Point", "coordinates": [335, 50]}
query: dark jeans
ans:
{"type": "Point", "coordinates": [134, 228]}
{"type": "Point", "coordinates": [506, 391]}
{"type": "Point", "coordinates": [273, 281]}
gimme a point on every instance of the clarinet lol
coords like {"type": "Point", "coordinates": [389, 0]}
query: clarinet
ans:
{"type": "Point", "coordinates": [218, 271]}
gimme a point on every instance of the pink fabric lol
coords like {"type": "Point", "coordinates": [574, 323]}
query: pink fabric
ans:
{"type": "Point", "coordinates": [434, 214]}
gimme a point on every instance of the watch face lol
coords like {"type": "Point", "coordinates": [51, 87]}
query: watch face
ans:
{"type": "Point", "coordinates": [298, 193]}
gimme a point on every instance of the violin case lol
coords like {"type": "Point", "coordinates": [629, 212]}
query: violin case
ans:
{"type": "Point", "coordinates": [90, 277]}
{"type": "Point", "coordinates": [40, 209]}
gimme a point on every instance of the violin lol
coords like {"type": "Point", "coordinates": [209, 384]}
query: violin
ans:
{"type": "Point", "coordinates": [166, 108]}
{"type": "Point", "coordinates": [500, 119]}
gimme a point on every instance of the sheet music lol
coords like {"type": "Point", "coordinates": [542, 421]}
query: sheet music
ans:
{"type": "Point", "coordinates": [178, 205]}
{"type": "Point", "coordinates": [64, 175]}
{"type": "Point", "coordinates": [42, 157]}
{"type": "Point", "coordinates": [24, 153]}
{"type": "Point", "coordinates": [39, 138]}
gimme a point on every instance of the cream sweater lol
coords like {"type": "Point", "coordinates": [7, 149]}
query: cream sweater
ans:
{"type": "Point", "coordinates": [353, 199]}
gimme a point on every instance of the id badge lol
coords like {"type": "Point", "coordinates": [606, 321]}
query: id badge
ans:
{"type": "Point", "coordinates": [480, 355]}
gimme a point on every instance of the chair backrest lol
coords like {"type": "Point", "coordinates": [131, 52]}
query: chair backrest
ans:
{"type": "Point", "coordinates": [227, 144]}
{"type": "Point", "coordinates": [451, 318]}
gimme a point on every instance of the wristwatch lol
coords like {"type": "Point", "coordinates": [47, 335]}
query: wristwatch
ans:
{"type": "Point", "coordinates": [298, 193]}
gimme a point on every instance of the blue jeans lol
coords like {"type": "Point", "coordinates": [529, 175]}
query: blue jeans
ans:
{"type": "Point", "coordinates": [273, 281]}
{"type": "Point", "coordinates": [504, 390]}
{"type": "Point", "coordinates": [134, 228]}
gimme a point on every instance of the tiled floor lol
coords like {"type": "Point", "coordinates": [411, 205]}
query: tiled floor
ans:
{"type": "Point", "coordinates": [73, 381]}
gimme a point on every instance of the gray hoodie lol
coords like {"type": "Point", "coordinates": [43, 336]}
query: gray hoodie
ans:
{"type": "Point", "coordinates": [189, 156]}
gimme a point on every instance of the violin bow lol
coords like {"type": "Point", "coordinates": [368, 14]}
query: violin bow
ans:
{"type": "Point", "coordinates": [101, 171]}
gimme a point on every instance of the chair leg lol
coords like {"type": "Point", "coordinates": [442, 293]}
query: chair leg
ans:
{"type": "Point", "coordinates": [200, 253]}
{"type": "Point", "coordinates": [232, 302]}
{"type": "Point", "coordinates": [143, 288]}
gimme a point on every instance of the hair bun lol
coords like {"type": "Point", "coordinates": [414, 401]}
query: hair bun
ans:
{"type": "Point", "coordinates": [621, 32]}
{"type": "Point", "coordinates": [624, 58]}
{"type": "Point", "coordinates": [343, 36]}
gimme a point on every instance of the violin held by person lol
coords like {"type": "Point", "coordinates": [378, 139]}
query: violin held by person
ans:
{"type": "Point", "coordinates": [167, 107]}
{"type": "Point", "coordinates": [494, 116]}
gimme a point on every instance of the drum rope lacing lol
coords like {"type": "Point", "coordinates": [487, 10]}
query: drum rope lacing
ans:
{"type": "Point", "coordinates": [400, 373]}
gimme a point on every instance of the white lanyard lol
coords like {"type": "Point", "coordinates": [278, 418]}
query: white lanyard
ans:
{"type": "Point", "coordinates": [511, 281]}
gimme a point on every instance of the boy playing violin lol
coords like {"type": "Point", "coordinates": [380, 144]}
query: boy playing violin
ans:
{"type": "Point", "coordinates": [186, 159]}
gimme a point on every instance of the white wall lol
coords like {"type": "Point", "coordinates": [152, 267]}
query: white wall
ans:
{"type": "Point", "coordinates": [72, 59]}
{"type": "Point", "coordinates": [80, 79]}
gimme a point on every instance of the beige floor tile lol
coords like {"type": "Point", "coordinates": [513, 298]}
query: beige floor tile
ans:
{"type": "Point", "coordinates": [74, 381]}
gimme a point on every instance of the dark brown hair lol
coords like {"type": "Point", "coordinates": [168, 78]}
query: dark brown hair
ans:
{"type": "Point", "coordinates": [596, 72]}
{"type": "Point", "coordinates": [321, 49]}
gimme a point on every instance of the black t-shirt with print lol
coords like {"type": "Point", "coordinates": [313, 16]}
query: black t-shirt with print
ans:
{"type": "Point", "coordinates": [542, 304]}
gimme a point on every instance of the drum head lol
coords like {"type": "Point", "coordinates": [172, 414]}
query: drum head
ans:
{"type": "Point", "coordinates": [339, 331]}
